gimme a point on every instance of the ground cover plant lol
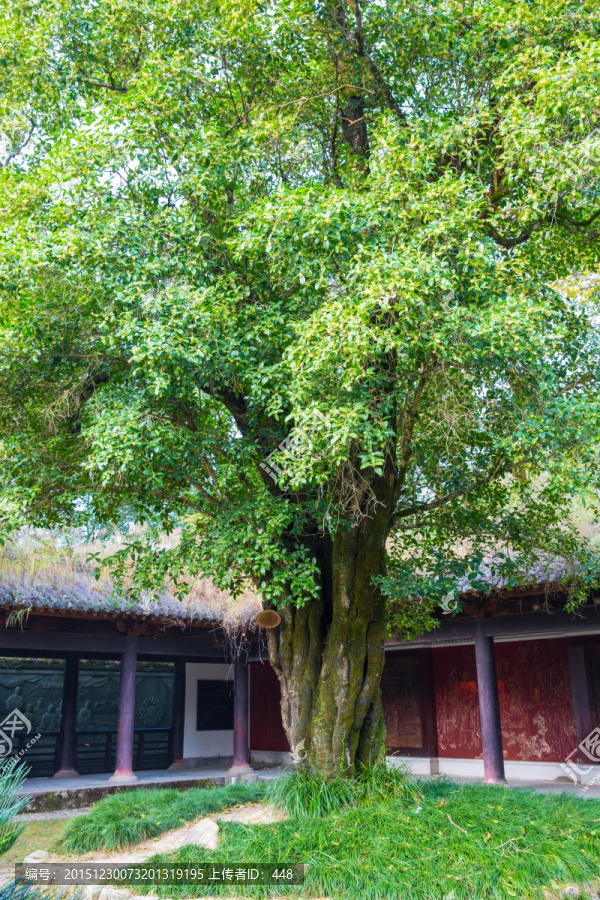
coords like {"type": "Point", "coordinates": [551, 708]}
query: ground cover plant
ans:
{"type": "Point", "coordinates": [470, 842]}
{"type": "Point", "coordinates": [133, 816]}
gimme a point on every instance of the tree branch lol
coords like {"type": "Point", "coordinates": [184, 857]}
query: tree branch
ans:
{"type": "Point", "coordinates": [371, 66]}
{"type": "Point", "coordinates": [510, 243]}
{"type": "Point", "coordinates": [447, 498]}
{"type": "Point", "coordinates": [109, 86]}
{"type": "Point", "coordinates": [563, 216]}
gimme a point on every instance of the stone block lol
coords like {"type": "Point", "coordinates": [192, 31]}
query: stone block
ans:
{"type": "Point", "coordinates": [205, 833]}
{"type": "Point", "coordinates": [37, 856]}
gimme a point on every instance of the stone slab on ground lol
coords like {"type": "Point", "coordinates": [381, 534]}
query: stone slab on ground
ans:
{"type": "Point", "coordinates": [111, 893]}
{"type": "Point", "coordinates": [37, 856]}
{"type": "Point", "coordinates": [205, 833]}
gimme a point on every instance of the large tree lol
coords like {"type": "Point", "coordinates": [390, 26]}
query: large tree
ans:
{"type": "Point", "coordinates": [302, 280]}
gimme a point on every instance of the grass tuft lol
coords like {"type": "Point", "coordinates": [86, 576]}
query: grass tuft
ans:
{"type": "Point", "coordinates": [309, 793]}
{"type": "Point", "coordinates": [133, 816]}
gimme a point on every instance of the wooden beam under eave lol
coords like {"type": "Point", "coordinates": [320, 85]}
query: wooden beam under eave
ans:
{"type": "Point", "coordinates": [43, 620]}
{"type": "Point", "coordinates": [57, 643]}
{"type": "Point", "coordinates": [531, 626]}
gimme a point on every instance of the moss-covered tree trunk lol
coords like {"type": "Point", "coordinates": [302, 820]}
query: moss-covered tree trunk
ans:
{"type": "Point", "coordinates": [329, 653]}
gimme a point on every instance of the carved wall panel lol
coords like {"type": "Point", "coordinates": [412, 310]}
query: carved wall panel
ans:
{"type": "Point", "coordinates": [536, 709]}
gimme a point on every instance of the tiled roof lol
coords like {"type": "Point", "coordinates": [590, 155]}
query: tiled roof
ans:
{"type": "Point", "coordinates": [80, 596]}
{"type": "Point", "coordinates": [551, 572]}
{"type": "Point", "coordinates": [56, 571]}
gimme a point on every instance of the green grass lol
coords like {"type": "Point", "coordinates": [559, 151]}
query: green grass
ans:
{"type": "Point", "coordinates": [133, 816]}
{"type": "Point", "coordinates": [479, 842]}
{"type": "Point", "coordinates": [35, 836]}
{"type": "Point", "coordinates": [307, 793]}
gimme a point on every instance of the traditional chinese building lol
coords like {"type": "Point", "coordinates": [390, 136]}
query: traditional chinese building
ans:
{"type": "Point", "coordinates": [508, 686]}
{"type": "Point", "coordinates": [112, 685]}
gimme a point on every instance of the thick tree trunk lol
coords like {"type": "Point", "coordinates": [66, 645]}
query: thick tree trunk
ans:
{"type": "Point", "coordinates": [329, 654]}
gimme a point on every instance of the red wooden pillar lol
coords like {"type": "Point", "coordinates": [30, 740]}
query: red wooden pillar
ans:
{"type": "Point", "coordinates": [177, 761]}
{"type": "Point", "coordinates": [429, 713]}
{"type": "Point", "coordinates": [67, 764]}
{"type": "Point", "coordinates": [582, 697]}
{"type": "Point", "coordinates": [126, 723]}
{"type": "Point", "coordinates": [241, 753]}
{"type": "Point", "coordinates": [489, 707]}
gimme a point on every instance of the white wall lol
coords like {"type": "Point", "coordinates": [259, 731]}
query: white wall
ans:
{"type": "Point", "coordinates": [271, 757]}
{"type": "Point", "coordinates": [522, 770]}
{"type": "Point", "coordinates": [197, 744]}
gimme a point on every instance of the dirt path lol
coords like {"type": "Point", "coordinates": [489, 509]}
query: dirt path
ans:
{"type": "Point", "coordinates": [252, 814]}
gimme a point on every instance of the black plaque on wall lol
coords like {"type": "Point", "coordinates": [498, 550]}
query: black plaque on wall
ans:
{"type": "Point", "coordinates": [215, 706]}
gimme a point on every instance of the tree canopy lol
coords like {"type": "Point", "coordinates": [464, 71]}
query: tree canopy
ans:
{"type": "Point", "coordinates": [363, 228]}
